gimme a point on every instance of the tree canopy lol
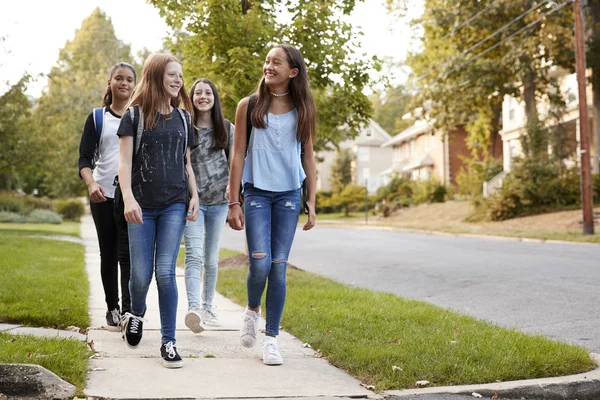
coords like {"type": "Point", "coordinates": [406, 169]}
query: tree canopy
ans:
{"type": "Point", "coordinates": [227, 41]}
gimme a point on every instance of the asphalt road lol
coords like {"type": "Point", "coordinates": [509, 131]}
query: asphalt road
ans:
{"type": "Point", "coordinates": [545, 288]}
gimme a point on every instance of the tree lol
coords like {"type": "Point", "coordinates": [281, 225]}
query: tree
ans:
{"type": "Point", "coordinates": [17, 153]}
{"type": "Point", "coordinates": [341, 170]}
{"type": "Point", "coordinates": [227, 40]}
{"type": "Point", "coordinates": [76, 84]}
{"type": "Point", "coordinates": [389, 107]}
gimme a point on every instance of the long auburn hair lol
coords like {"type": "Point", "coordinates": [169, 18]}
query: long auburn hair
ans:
{"type": "Point", "coordinates": [108, 97]}
{"type": "Point", "coordinates": [150, 93]}
{"type": "Point", "coordinates": [216, 114]}
{"type": "Point", "coordinates": [301, 96]}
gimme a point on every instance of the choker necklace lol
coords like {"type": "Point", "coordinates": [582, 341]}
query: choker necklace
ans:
{"type": "Point", "coordinates": [278, 94]}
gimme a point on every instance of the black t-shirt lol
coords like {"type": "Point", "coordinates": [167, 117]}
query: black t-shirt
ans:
{"type": "Point", "coordinates": [158, 176]}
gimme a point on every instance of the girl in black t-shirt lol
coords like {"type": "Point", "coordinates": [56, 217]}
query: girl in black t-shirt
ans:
{"type": "Point", "coordinates": [156, 181]}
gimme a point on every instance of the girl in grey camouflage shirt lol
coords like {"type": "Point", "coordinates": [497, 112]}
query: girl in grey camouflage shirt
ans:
{"type": "Point", "coordinates": [210, 161]}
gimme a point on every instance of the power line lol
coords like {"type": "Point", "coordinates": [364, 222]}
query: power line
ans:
{"type": "Point", "coordinates": [500, 30]}
{"type": "Point", "coordinates": [511, 36]}
{"type": "Point", "coordinates": [506, 39]}
{"type": "Point", "coordinates": [468, 21]}
{"type": "Point", "coordinates": [505, 27]}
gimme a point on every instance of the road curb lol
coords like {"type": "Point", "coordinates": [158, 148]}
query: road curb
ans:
{"type": "Point", "coordinates": [462, 235]}
{"type": "Point", "coordinates": [584, 386]}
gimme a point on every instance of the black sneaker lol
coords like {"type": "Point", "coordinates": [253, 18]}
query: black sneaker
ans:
{"type": "Point", "coordinates": [134, 327]}
{"type": "Point", "coordinates": [171, 358]}
{"type": "Point", "coordinates": [113, 319]}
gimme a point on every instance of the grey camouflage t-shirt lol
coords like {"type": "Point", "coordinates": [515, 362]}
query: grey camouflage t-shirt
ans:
{"type": "Point", "coordinates": [211, 167]}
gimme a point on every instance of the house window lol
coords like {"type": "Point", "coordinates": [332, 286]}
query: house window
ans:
{"type": "Point", "coordinates": [368, 132]}
{"type": "Point", "coordinates": [413, 147]}
{"type": "Point", "coordinates": [511, 114]}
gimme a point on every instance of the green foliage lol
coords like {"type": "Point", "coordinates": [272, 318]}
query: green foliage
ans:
{"type": "Point", "coordinates": [534, 186]}
{"type": "Point", "coordinates": [399, 191]}
{"type": "Point", "coordinates": [429, 191]}
{"type": "Point", "coordinates": [12, 202]}
{"type": "Point", "coordinates": [43, 217]}
{"type": "Point", "coordinates": [12, 217]}
{"type": "Point", "coordinates": [389, 107]}
{"type": "Point", "coordinates": [17, 141]}
{"type": "Point", "coordinates": [340, 175]}
{"type": "Point", "coordinates": [70, 209]}
{"type": "Point", "coordinates": [324, 203]}
{"type": "Point", "coordinates": [76, 84]}
{"type": "Point", "coordinates": [227, 41]}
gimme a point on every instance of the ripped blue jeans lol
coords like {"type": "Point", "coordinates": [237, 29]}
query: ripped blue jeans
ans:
{"type": "Point", "coordinates": [271, 220]}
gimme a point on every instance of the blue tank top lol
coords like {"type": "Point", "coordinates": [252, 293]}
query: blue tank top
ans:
{"type": "Point", "coordinates": [273, 160]}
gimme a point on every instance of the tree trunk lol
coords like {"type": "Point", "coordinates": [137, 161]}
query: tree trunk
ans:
{"type": "Point", "coordinates": [496, 107]}
{"type": "Point", "coordinates": [595, 64]}
{"type": "Point", "coordinates": [246, 5]}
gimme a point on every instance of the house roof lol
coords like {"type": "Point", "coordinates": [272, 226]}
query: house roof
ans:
{"type": "Point", "coordinates": [412, 131]}
{"type": "Point", "coordinates": [426, 161]}
{"type": "Point", "coordinates": [377, 138]}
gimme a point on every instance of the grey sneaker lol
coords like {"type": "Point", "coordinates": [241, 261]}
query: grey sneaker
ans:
{"type": "Point", "coordinates": [249, 328]}
{"type": "Point", "coordinates": [113, 319]}
{"type": "Point", "coordinates": [271, 355]}
{"type": "Point", "coordinates": [193, 320]}
{"type": "Point", "coordinates": [209, 317]}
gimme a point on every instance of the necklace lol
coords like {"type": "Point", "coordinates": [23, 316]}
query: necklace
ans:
{"type": "Point", "coordinates": [279, 94]}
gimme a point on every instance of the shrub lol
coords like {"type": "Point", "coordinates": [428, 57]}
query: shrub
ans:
{"type": "Point", "coordinates": [71, 209]}
{"type": "Point", "coordinates": [429, 191]}
{"type": "Point", "coordinates": [7, 216]}
{"type": "Point", "coordinates": [534, 186]}
{"type": "Point", "coordinates": [44, 217]}
{"type": "Point", "coordinates": [12, 202]}
{"type": "Point", "coordinates": [43, 203]}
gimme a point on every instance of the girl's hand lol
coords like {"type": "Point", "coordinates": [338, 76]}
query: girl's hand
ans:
{"type": "Point", "coordinates": [96, 193]}
{"type": "Point", "coordinates": [133, 211]}
{"type": "Point", "coordinates": [227, 192]}
{"type": "Point", "coordinates": [312, 216]}
{"type": "Point", "coordinates": [193, 209]}
{"type": "Point", "coordinates": [235, 217]}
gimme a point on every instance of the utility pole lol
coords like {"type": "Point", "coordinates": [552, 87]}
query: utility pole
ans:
{"type": "Point", "coordinates": [586, 173]}
{"type": "Point", "coordinates": [366, 200]}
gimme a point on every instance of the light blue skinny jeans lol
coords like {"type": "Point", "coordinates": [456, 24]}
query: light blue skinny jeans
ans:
{"type": "Point", "coordinates": [153, 248]}
{"type": "Point", "coordinates": [271, 219]}
{"type": "Point", "coordinates": [202, 239]}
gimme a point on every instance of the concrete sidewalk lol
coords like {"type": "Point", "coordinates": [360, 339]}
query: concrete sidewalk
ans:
{"type": "Point", "coordinates": [215, 364]}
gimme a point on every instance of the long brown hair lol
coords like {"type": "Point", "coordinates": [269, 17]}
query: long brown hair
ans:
{"type": "Point", "coordinates": [108, 97]}
{"type": "Point", "coordinates": [216, 114]}
{"type": "Point", "coordinates": [301, 96]}
{"type": "Point", "coordinates": [150, 93]}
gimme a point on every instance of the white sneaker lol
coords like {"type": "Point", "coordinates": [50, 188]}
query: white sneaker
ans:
{"type": "Point", "coordinates": [271, 355]}
{"type": "Point", "coordinates": [249, 328]}
{"type": "Point", "coordinates": [193, 320]}
{"type": "Point", "coordinates": [209, 317]}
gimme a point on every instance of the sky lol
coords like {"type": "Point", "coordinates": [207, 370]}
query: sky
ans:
{"type": "Point", "coordinates": [32, 40]}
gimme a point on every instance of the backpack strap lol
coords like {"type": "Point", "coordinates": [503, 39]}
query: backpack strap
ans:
{"type": "Point", "coordinates": [137, 119]}
{"type": "Point", "coordinates": [228, 124]}
{"type": "Point", "coordinates": [99, 120]}
{"type": "Point", "coordinates": [187, 121]}
{"type": "Point", "coordinates": [251, 103]}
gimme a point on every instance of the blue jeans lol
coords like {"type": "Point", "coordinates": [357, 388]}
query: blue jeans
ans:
{"type": "Point", "coordinates": [154, 246]}
{"type": "Point", "coordinates": [202, 240]}
{"type": "Point", "coordinates": [271, 220]}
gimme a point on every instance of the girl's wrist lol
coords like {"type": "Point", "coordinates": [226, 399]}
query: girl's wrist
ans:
{"type": "Point", "coordinates": [235, 203]}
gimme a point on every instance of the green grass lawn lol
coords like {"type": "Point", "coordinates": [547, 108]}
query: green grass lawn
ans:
{"type": "Point", "coordinates": [67, 358]}
{"type": "Point", "coordinates": [368, 334]}
{"type": "Point", "coordinates": [44, 284]}
{"type": "Point", "coordinates": [223, 254]}
{"type": "Point", "coordinates": [66, 228]}
{"type": "Point", "coordinates": [44, 281]}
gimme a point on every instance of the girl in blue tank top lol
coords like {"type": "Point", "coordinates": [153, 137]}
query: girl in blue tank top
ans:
{"type": "Point", "coordinates": [272, 171]}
